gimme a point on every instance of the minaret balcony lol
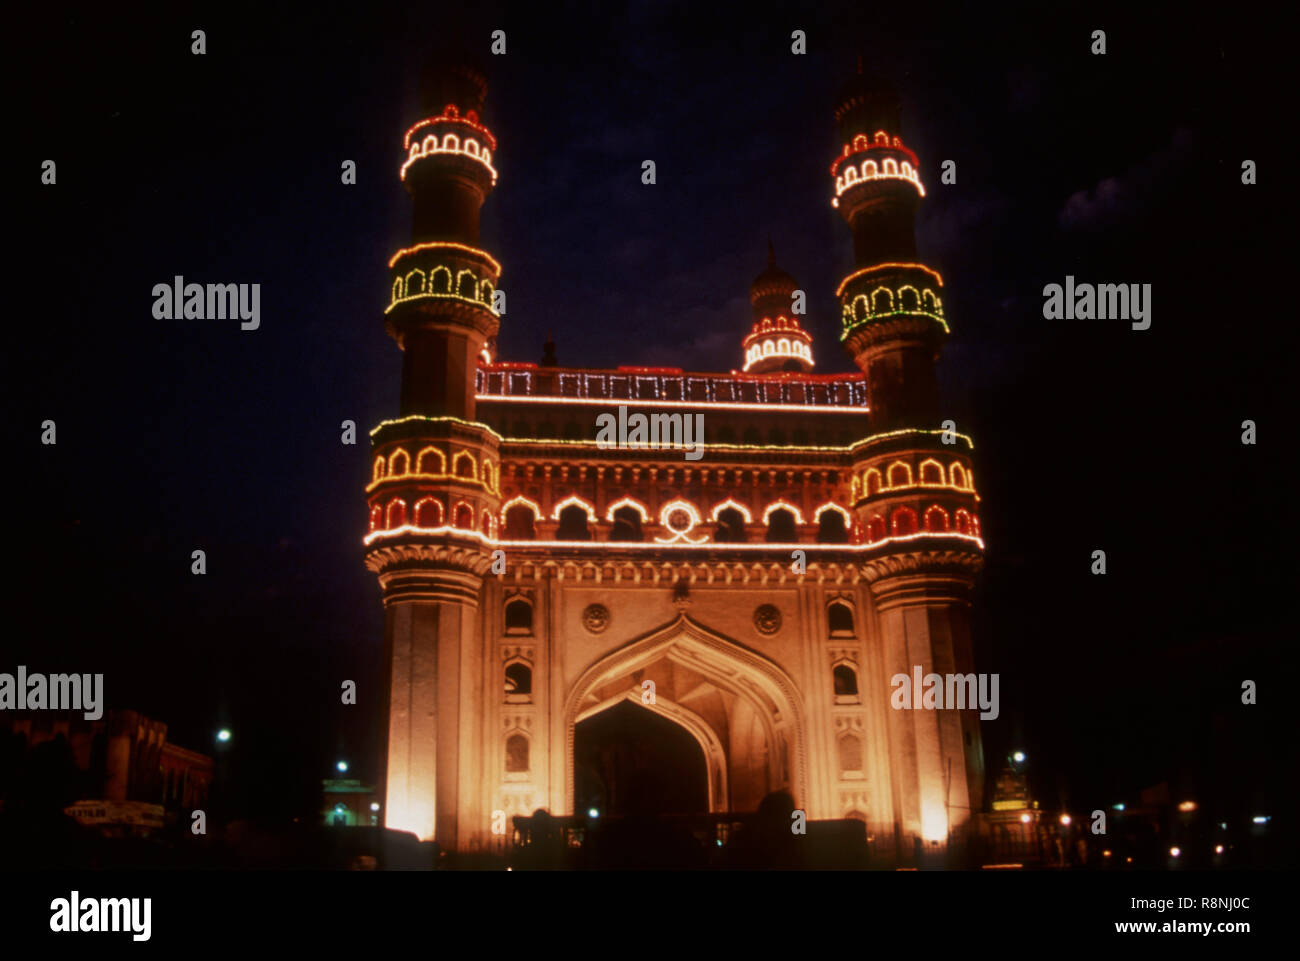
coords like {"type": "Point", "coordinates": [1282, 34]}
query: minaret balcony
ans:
{"type": "Point", "coordinates": [890, 291]}
{"type": "Point", "coordinates": [865, 167]}
{"type": "Point", "coordinates": [443, 271]}
{"type": "Point", "coordinates": [457, 143]}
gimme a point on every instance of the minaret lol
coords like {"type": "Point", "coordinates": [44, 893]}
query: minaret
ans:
{"type": "Point", "coordinates": [776, 342]}
{"type": "Point", "coordinates": [891, 305]}
{"type": "Point", "coordinates": [914, 494]}
{"type": "Point", "coordinates": [434, 492]}
{"type": "Point", "coordinates": [440, 310]}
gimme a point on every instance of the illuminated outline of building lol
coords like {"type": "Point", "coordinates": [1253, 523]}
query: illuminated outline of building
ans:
{"type": "Point", "coordinates": [631, 564]}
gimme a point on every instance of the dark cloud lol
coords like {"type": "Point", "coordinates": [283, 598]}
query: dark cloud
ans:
{"type": "Point", "coordinates": [1115, 200]}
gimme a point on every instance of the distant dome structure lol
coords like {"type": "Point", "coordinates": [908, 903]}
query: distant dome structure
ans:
{"type": "Point", "coordinates": [776, 343]}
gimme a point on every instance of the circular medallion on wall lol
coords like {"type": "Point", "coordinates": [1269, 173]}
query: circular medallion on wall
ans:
{"type": "Point", "coordinates": [767, 618]}
{"type": "Point", "coordinates": [595, 618]}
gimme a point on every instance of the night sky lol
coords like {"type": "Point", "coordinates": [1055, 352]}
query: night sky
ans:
{"type": "Point", "coordinates": [225, 168]}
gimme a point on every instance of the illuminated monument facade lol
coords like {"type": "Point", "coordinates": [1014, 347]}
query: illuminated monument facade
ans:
{"type": "Point", "coordinates": [571, 625]}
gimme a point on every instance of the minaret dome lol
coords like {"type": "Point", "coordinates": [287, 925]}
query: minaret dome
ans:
{"type": "Point", "coordinates": [776, 342]}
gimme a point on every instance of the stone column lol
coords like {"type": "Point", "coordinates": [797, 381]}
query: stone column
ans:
{"type": "Point", "coordinates": [431, 635]}
{"type": "Point", "coordinates": [924, 622]}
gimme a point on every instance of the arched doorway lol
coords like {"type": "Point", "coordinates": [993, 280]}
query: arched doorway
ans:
{"type": "Point", "coordinates": [739, 707]}
{"type": "Point", "coordinates": [629, 760]}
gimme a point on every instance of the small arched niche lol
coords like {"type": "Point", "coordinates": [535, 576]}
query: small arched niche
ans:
{"type": "Point", "coordinates": [517, 757]}
{"type": "Point", "coordinates": [780, 527]}
{"type": "Point", "coordinates": [519, 616]}
{"type": "Point", "coordinates": [519, 683]}
{"type": "Point", "coordinates": [845, 680]}
{"type": "Point", "coordinates": [839, 619]}
{"type": "Point", "coordinates": [573, 524]}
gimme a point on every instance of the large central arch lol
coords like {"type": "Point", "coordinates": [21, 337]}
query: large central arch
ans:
{"type": "Point", "coordinates": [729, 666]}
{"type": "Point", "coordinates": [670, 769]}
{"type": "Point", "coordinates": [715, 758]}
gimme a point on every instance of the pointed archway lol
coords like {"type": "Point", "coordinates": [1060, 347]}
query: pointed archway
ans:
{"type": "Point", "coordinates": [740, 707]}
{"type": "Point", "coordinates": [630, 759]}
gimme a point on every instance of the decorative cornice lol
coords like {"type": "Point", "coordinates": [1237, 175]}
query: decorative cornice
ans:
{"type": "Point", "coordinates": [915, 439]}
{"type": "Point", "coordinates": [897, 564]}
{"type": "Point", "coordinates": [669, 573]}
{"type": "Point", "coordinates": [431, 558]}
{"type": "Point", "coordinates": [445, 314]}
{"type": "Point", "coordinates": [901, 329]}
{"type": "Point", "coordinates": [928, 579]}
{"type": "Point", "coordinates": [421, 428]}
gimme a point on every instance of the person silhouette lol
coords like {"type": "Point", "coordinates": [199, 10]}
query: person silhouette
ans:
{"type": "Point", "coordinates": [767, 842]}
